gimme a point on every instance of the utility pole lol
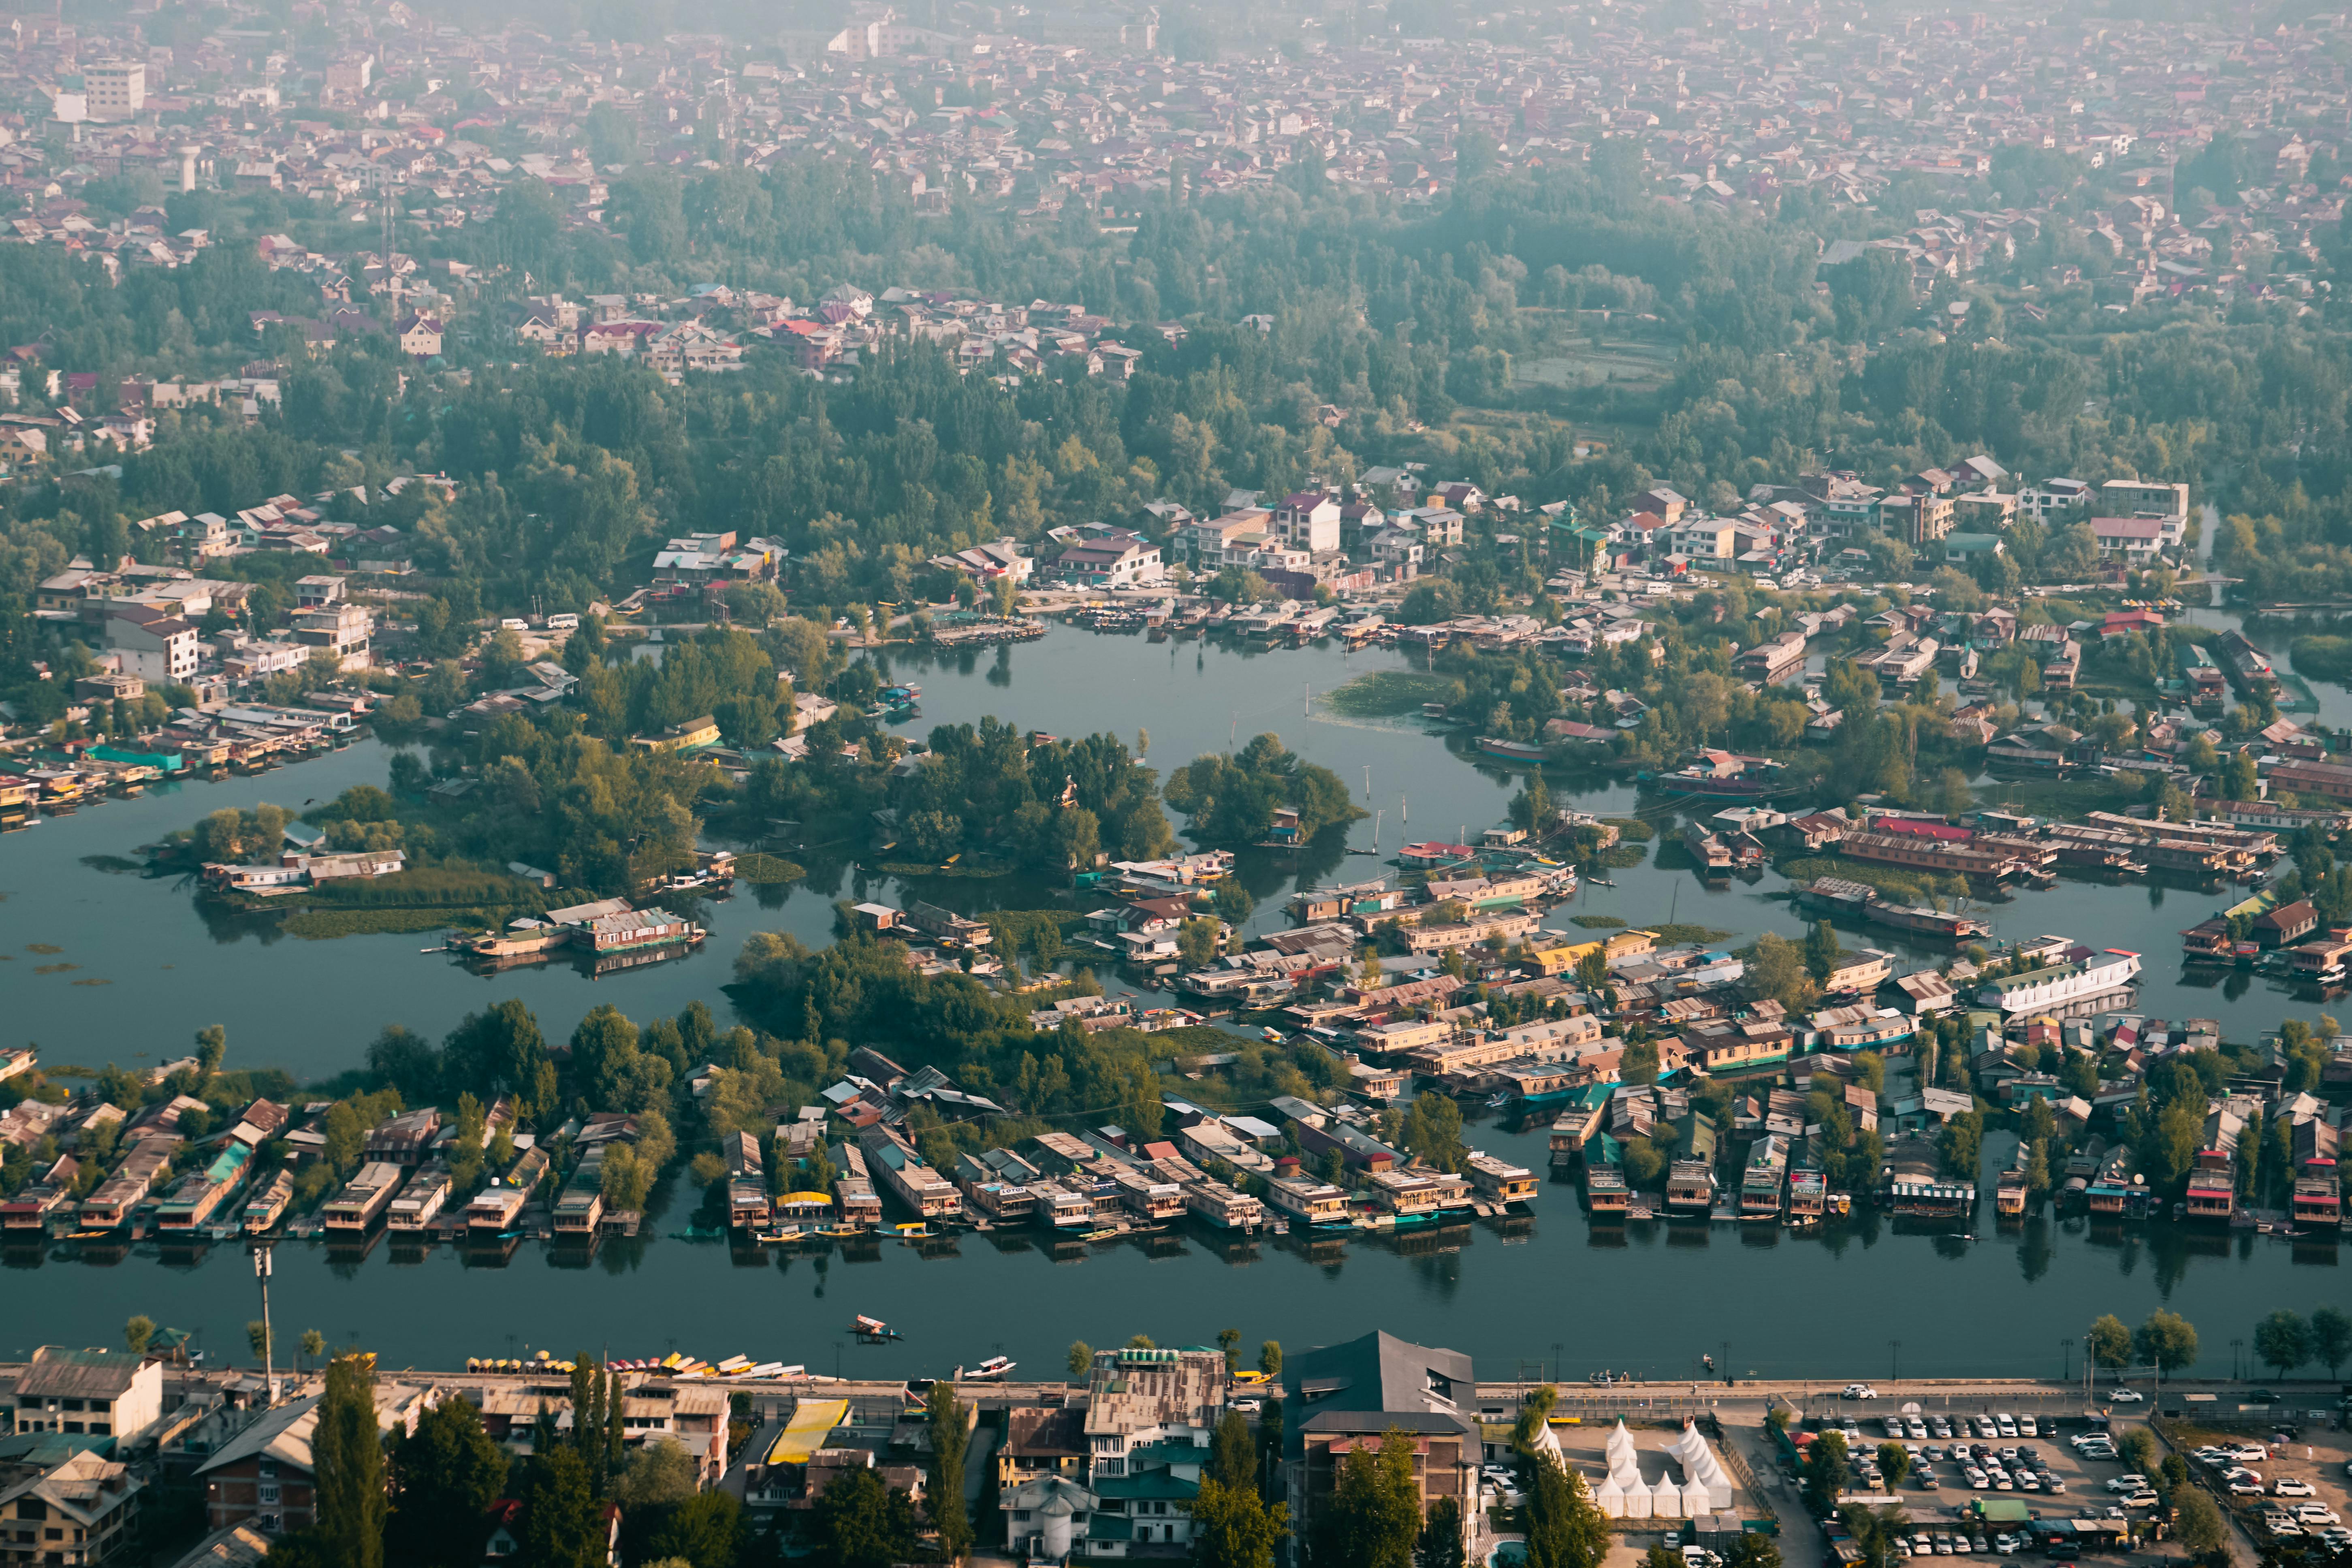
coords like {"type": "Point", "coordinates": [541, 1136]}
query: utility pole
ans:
{"type": "Point", "coordinates": [261, 1268]}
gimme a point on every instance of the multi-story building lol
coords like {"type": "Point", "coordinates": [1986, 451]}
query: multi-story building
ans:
{"type": "Point", "coordinates": [114, 89]}
{"type": "Point", "coordinates": [1343, 1397]}
{"type": "Point", "coordinates": [98, 1393]}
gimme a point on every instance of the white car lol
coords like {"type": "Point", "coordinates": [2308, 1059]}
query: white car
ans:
{"type": "Point", "coordinates": [2007, 1423]}
{"type": "Point", "coordinates": [1858, 1391]}
{"type": "Point", "coordinates": [2126, 1395]}
{"type": "Point", "coordinates": [2246, 1486]}
{"type": "Point", "coordinates": [2316, 1513]}
{"type": "Point", "coordinates": [2292, 1488]}
{"type": "Point", "coordinates": [1916, 1429]}
{"type": "Point", "coordinates": [2025, 1426]}
{"type": "Point", "coordinates": [2251, 1453]}
{"type": "Point", "coordinates": [2281, 1524]}
{"type": "Point", "coordinates": [2128, 1484]}
{"type": "Point", "coordinates": [2141, 1500]}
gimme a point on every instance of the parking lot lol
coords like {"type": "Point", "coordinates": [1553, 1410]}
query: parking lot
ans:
{"type": "Point", "coordinates": [2289, 1494]}
{"type": "Point", "coordinates": [1979, 1478]}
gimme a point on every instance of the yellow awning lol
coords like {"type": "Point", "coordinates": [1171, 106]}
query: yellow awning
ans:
{"type": "Point", "coordinates": [805, 1433]}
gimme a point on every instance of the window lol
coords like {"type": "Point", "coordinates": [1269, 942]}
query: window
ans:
{"type": "Point", "coordinates": [73, 1404]}
{"type": "Point", "coordinates": [269, 1469]}
{"type": "Point", "coordinates": [268, 1494]}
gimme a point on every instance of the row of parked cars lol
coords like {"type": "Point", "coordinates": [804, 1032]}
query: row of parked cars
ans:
{"type": "Point", "coordinates": [2300, 1513]}
{"type": "Point", "coordinates": [1919, 1428]}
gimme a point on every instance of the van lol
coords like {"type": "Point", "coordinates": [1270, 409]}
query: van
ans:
{"type": "Point", "coordinates": [563, 623]}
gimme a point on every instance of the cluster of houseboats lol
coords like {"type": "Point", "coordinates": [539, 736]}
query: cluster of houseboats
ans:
{"type": "Point", "coordinates": [54, 778]}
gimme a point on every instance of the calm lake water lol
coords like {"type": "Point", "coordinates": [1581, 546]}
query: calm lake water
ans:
{"type": "Point", "coordinates": [1651, 1299]}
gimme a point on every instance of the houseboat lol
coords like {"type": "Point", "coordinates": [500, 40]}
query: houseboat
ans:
{"type": "Point", "coordinates": [2083, 979]}
{"type": "Point", "coordinates": [1510, 750]}
{"type": "Point", "coordinates": [497, 1208]}
{"type": "Point", "coordinates": [1808, 1196]}
{"type": "Point", "coordinates": [1605, 1193]}
{"type": "Point", "coordinates": [1224, 1207]}
{"type": "Point", "coordinates": [2212, 1192]}
{"type": "Point", "coordinates": [1761, 1182]}
{"type": "Point", "coordinates": [1500, 1180]}
{"type": "Point", "coordinates": [201, 1194]}
{"type": "Point", "coordinates": [1709, 851]}
{"type": "Point", "coordinates": [1724, 775]}
{"type": "Point", "coordinates": [1931, 1200]}
{"type": "Point", "coordinates": [34, 1209]}
{"type": "Point", "coordinates": [2009, 1195]}
{"type": "Point", "coordinates": [364, 1199]}
{"type": "Point", "coordinates": [266, 1207]}
{"type": "Point", "coordinates": [1304, 1201]}
{"type": "Point", "coordinates": [580, 1207]}
{"type": "Point", "coordinates": [421, 1201]}
{"type": "Point", "coordinates": [1417, 1197]}
{"type": "Point", "coordinates": [1690, 1189]}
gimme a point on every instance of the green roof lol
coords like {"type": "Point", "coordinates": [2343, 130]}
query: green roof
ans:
{"type": "Point", "coordinates": [1155, 1485]}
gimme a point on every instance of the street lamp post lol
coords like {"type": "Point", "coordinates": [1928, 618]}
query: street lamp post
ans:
{"type": "Point", "coordinates": [1727, 1380]}
{"type": "Point", "coordinates": [2236, 1346]}
{"type": "Point", "coordinates": [261, 1269]}
{"type": "Point", "coordinates": [2067, 1361]}
{"type": "Point", "coordinates": [1895, 1361]}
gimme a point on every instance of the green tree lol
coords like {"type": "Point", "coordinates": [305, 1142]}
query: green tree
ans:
{"type": "Point", "coordinates": [1232, 1455]}
{"type": "Point", "coordinates": [1081, 1359]}
{"type": "Point", "coordinates": [706, 1531]}
{"type": "Point", "coordinates": [2197, 1522]}
{"type": "Point", "coordinates": [2111, 1342]}
{"type": "Point", "coordinates": [950, 1432]}
{"type": "Point", "coordinates": [1566, 1529]}
{"type": "Point", "coordinates": [2167, 1340]}
{"type": "Point", "coordinates": [1638, 1064]}
{"type": "Point", "coordinates": [2331, 1337]}
{"type": "Point", "coordinates": [561, 1525]}
{"type": "Point", "coordinates": [446, 1475]}
{"type": "Point", "coordinates": [1826, 1473]}
{"type": "Point", "coordinates": [1441, 1536]}
{"type": "Point", "coordinates": [138, 1332]}
{"type": "Point", "coordinates": [1894, 1463]}
{"type": "Point", "coordinates": [2282, 1341]}
{"type": "Point", "coordinates": [347, 1452]}
{"type": "Point", "coordinates": [1535, 1411]}
{"type": "Point", "coordinates": [859, 1523]}
{"type": "Point", "coordinates": [657, 1474]}
{"type": "Point", "coordinates": [1433, 1130]}
{"type": "Point", "coordinates": [1270, 1358]}
{"type": "Point", "coordinates": [1372, 1519]}
{"type": "Point", "coordinates": [1232, 1527]}
{"type": "Point", "coordinates": [1821, 950]}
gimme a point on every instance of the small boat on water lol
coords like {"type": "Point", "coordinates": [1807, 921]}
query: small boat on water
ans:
{"type": "Point", "coordinates": [995, 1369]}
{"type": "Point", "coordinates": [873, 1330]}
{"type": "Point", "coordinates": [1510, 750]}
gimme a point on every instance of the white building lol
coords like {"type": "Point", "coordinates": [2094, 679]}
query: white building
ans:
{"type": "Point", "coordinates": [114, 89]}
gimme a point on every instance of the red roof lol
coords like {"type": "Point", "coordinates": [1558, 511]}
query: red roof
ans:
{"type": "Point", "coordinates": [1913, 825]}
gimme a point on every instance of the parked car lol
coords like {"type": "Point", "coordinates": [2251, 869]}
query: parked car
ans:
{"type": "Point", "coordinates": [2246, 1486]}
{"type": "Point", "coordinates": [2317, 1513]}
{"type": "Point", "coordinates": [2141, 1500]}
{"type": "Point", "coordinates": [2128, 1484]}
{"type": "Point", "coordinates": [2290, 1486]}
{"type": "Point", "coordinates": [1858, 1391]}
{"type": "Point", "coordinates": [2025, 1426]}
{"type": "Point", "coordinates": [2281, 1524]}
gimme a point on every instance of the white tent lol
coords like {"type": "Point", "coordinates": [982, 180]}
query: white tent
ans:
{"type": "Point", "coordinates": [1698, 1501]}
{"type": "Point", "coordinates": [1611, 1498]}
{"type": "Point", "coordinates": [1637, 1499]}
{"type": "Point", "coordinates": [1666, 1501]}
{"type": "Point", "coordinates": [1621, 1443]}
